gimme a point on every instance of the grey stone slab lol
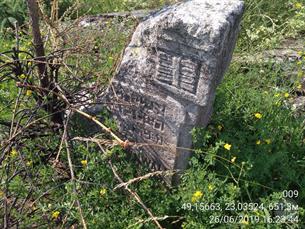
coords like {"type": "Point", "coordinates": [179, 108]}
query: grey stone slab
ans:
{"type": "Point", "coordinates": [165, 85]}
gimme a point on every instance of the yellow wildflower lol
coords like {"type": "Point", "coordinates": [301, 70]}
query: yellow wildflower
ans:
{"type": "Point", "coordinates": [29, 92]}
{"type": "Point", "coordinates": [29, 163]}
{"type": "Point", "coordinates": [196, 196]}
{"type": "Point", "coordinates": [13, 153]}
{"type": "Point", "coordinates": [22, 56]}
{"type": "Point", "coordinates": [233, 159]}
{"type": "Point", "coordinates": [219, 127]}
{"type": "Point", "coordinates": [258, 142]}
{"type": "Point", "coordinates": [298, 5]}
{"type": "Point", "coordinates": [22, 76]}
{"type": "Point", "coordinates": [103, 191]}
{"type": "Point", "coordinates": [268, 141]}
{"type": "Point", "coordinates": [84, 162]}
{"type": "Point", "coordinates": [277, 95]}
{"type": "Point", "coordinates": [258, 115]}
{"type": "Point", "coordinates": [210, 187]}
{"type": "Point", "coordinates": [286, 95]}
{"type": "Point", "coordinates": [227, 146]}
{"type": "Point", "coordinates": [299, 86]}
{"type": "Point", "coordinates": [55, 214]}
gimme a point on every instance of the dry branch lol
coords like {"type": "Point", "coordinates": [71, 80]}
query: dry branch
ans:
{"type": "Point", "coordinates": [136, 196]}
{"type": "Point", "coordinates": [178, 218]}
{"type": "Point", "coordinates": [38, 43]}
{"type": "Point", "coordinates": [72, 174]}
{"type": "Point", "coordinates": [147, 176]}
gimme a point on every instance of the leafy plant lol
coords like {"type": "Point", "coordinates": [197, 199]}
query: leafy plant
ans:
{"type": "Point", "coordinates": [252, 150]}
{"type": "Point", "coordinates": [266, 23]}
{"type": "Point", "coordinates": [12, 11]}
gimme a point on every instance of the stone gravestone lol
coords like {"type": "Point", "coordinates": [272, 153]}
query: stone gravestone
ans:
{"type": "Point", "coordinates": [165, 85]}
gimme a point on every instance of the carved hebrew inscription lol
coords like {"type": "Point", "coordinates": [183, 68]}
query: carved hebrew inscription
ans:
{"type": "Point", "coordinates": [166, 67]}
{"type": "Point", "coordinates": [179, 72]}
{"type": "Point", "coordinates": [166, 82]}
{"type": "Point", "coordinates": [143, 117]}
{"type": "Point", "coordinates": [151, 136]}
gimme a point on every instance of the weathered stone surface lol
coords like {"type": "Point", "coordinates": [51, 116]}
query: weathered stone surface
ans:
{"type": "Point", "coordinates": [165, 85]}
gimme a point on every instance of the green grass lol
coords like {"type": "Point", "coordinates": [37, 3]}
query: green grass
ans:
{"type": "Point", "coordinates": [266, 155]}
{"type": "Point", "coordinates": [106, 6]}
{"type": "Point", "coordinates": [12, 11]}
{"type": "Point", "coordinates": [266, 23]}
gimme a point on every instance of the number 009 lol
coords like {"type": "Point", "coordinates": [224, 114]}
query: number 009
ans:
{"type": "Point", "coordinates": [290, 193]}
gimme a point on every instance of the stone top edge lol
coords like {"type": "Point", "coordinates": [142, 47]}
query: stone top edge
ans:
{"type": "Point", "coordinates": [202, 10]}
